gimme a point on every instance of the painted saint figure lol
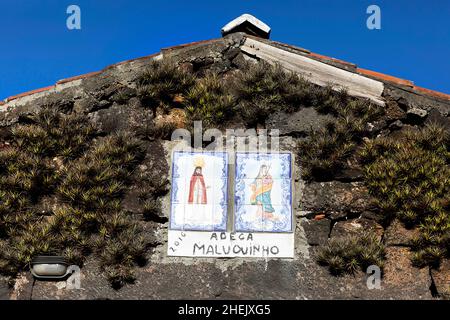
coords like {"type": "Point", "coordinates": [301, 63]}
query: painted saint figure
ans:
{"type": "Point", "coordinates": [197, 188]}
{"type": "Point", "coordinates": [261, 188]}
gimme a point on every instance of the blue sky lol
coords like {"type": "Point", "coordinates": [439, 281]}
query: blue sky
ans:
{"type": "Point", "coordinates": [36, 48]}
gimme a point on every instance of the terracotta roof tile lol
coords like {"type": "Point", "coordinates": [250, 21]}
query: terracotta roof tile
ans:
{"type": "Point", "coordinates": [325, 59]}
{"type": "Point", "coordinates": [28, 93]}
{"type": "Point", "coordinates": [190, 44]}
{"type": "Point", "coordinates": [322, 57]}
{"type": "Point", "coordinates": [132, 60]}
{"type": "Point", "coordinates": [385, 77]}
{"type": "Point", "coordinates": [82, 76]}
{"type": "Point", "coordinates": [432, 93]}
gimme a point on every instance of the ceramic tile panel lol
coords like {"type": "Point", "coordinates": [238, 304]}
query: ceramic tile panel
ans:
{"type": "Point", "coordinates": [199, 191]}
{"type": "Point", "coordinates": [263, 192]}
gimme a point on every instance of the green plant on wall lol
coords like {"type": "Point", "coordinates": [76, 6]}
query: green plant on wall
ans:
{"type": "Point", "coordinates": [409, 178]}
{"type": "Point", "coordinates": [262, 89]}
{"type": "Point", "coordinates": [59, 157]}
{"type": "Point", "coordinates": [209, 101]}
{"type": "Point", "coordinates": [351, 254]}
{"type": "Point", "coordinates": [161, 84]}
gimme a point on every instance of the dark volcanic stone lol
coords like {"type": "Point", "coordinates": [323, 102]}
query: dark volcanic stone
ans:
{"type": "Point", "coordinates": [5, 290]}
{"type": "Point", "coordinates": [300, 122]}
{"type": "Point", "coordinates": [397, 235]}
{"type": "Point", "coordinates": [239, 61]}
{"type": "Point", "coordinates": [317, 231]}
{"type": "Point", "coordinates": [441, 278]}
{"type": "Point", "coordinates": [237, 279]}
{"type": "Point", "coordinates": [434, 117]}
{"type": "Point", "coordinates": [399, 273]}
{"type": "Point", "coordinates": [356, 227]}
{"type": "Point", "coordinates": [336, 199]}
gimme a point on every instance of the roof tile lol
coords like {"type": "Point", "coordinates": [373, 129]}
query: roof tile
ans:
{"type": "Point", "coordinates": [132, 60]}
{"type": "Point", "coordinates": [190, 44]}
{"type": "Point", "coordinates": [433, 93]}
{"type": "Point", "coordinates": [322, 57]}
{"type": "Point", "coordinates": [82, 76]}
{"type": "Point", "coordinates": [385, 77]}
{"type": "Point", "coordinates": [365, 72]}
{"type": "Point", "coordinates": [28, 93]}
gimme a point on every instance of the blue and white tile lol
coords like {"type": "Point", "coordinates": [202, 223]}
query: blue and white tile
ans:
{"type": "Point", "coordinates": [213, 214]}
{"type": "Point", "coordinates": [280, 220]}
{"type": "Point", "coordinates": [220, 165]}
{"type": "Point", "coordinates": [248, 165]}
{"type": "Point", "coordinates": [248, 168]}
{"type": "Point", "coordinates": [248, 219]}
{"type": "Point", "coordinates": [280, 193]}
{"type": "Point", "coordinates": [219, 191]}
{"type": "Point", "coordinates": [177, 216]}
{"type": "Point", "coordinates": [178, 191]}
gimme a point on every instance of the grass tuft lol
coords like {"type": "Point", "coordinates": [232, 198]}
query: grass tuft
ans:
{"type": "Point", "coordinates": [209, 101]}
{"type": "Point", "coordinates": [409, 178]}
{"type": "Point", "coordinates": [350, 254]}
{"type": "Point", "coordinates": [161, 84]}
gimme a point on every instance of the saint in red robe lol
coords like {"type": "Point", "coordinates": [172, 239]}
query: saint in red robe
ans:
{"type": "Point", "coordinates": [197, 188]}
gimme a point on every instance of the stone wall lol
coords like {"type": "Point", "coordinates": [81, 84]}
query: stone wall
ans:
{"type": "Point", "coordinates": [323, 210]}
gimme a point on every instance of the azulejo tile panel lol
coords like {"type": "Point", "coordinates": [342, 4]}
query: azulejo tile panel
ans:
{"type": "Point", "coordinates": [199, 191]}
{"type": "Point", "coordinates": [263, 192]}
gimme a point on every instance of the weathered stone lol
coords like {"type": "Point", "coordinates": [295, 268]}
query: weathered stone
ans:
{"type": "Point", "coordinates": [334, 198]}
{"type": "Point", "coordinates": [349, 174]}
{"type": "Point", "coordinates": [101, 86]}
{"type": "Point", "coordinates": [131, 202]}
{"type": "Point", "coordinates": [23, 287]}
{"type": "Point", "coordinates": [356, 227]}
{"type": "Point", "coordinates": [175, 118]}
{"type": "Point", "coordinates": [182, 278]}
{"type": "Point", "coordinates": [109, 99]}
{"type": "Point", "coordinates": [417, 113]}
{"type": "Point", "coordinates": [186, 67]}
{"type": "Point", "coordinates": [396, 125]}
{"type": "Point", "coordinates": [441, 278]}
{"type": "Point", "coordinates": [122, 95]}
{"type": "Point", "coordinates": [399, 273]}
{"type": "Point", "coordinates": [231, 53]}
{"type": "Point", "coordinates": [5, 290]}
{"type": "Point", "coordinates": [317, 231]}
{"type": "Point", "coordinates": [300, 122]}
{"type": "Point", "coordinates": [239, 61]}
{"type": "Point", "coordinates": [118, 117]}
{"type": "Point", "coordinates": [412, 99]}
{"type": "Point", "coordinates": [397, 235]}
{"type": "Point", "coordinates": [394, 112]}
{"type": "Point", "coordinates": [434, 117]}
{"type": "Point", "coordinates": [90, 104]}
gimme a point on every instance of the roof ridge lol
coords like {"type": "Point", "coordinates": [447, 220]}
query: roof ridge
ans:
{"type": "Point", "coordinates": [301, 51]}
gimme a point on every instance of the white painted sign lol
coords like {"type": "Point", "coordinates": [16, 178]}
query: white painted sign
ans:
{"type": "Point", "coordinates": [226, 244]}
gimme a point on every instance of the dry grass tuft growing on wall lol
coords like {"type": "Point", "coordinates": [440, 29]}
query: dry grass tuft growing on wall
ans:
{"type": "Point", "coordinates": [161, 83]}
{"type": "Point", "coordinates": [409, 178]}
{"type": "Point", "coordinates": [262, 89]}
{"type": "Point", "coordinates": [57, 157]}
{"type": "Point", "coordinates": [209, 101]}
{"type": "Point", "coordinates": [352, 254]}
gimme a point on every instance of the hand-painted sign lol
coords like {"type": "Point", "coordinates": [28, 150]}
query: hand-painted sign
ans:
{"type": "Point", "coordinates": [263, 192]}
{"type": "Point", "coordinates": [226, 244]}
{"type": "Point", "coordinates": [257, 223]}
{"type": "Point", "coordinates": [199, 191]}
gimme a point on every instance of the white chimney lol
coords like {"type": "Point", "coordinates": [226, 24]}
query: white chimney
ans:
{"type": "Point", "coordinates": [248, 24]}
